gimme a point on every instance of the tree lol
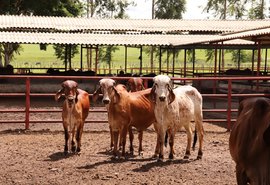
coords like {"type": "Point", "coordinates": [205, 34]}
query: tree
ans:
{"type": "Point", "coordinates": [236, 9]}
{"type": "Point", "coordinates": [33, 7]}
{"type": "Point", "coordinates": [169, 9]}
{"type": "Point", "coordinates": [165, 9]}
{"type": "Point", "coordinates": [108, 9]}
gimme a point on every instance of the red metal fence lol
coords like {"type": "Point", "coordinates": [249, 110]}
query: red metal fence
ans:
{"type": "Point", "coordinates": [213, 90]}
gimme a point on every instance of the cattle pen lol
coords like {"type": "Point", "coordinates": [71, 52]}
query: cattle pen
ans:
{"type": "Point", "coordinates": [220, 97]}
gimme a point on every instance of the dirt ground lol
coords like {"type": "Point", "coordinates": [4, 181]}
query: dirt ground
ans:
{"type": "Point", "coordinates": [36, 156]}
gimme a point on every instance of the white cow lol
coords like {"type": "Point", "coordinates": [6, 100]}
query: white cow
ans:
{"type": "Point", "coordinates": [176, 108]}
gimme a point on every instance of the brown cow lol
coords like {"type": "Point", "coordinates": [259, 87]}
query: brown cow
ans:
{"type": "Point", "coordinates": [75, 111]}
{"type": "Point", "coordinates": [125, 110]}
{"type": "Point", "coordinates": [250, 142]}
{"type": "Point", "coordinates": [135, 84]}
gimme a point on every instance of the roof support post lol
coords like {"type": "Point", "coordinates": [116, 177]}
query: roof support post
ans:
{"type": "Point", "coordinates": [96, 63]}
{"type": "Point", "coordinates": [81, 58]}
{"type": "Point", "coordinates": [215, 67]}
{"type": "Point", "coordinates": [173, 62]}
{"type": "Point", "coordinates": [66, 57]}
{"type": "Point", "coordinates": [160, 58]}
{"type": "Point", "coordinates": [239, 59]}
{"type": "Point", "coordinates": [253, 60]}
{"type": "Point", "coordinates": [168, 61]}
{"type": "Point", "coordinates": [140, 60]}
{"type": "Point", "coordinates": [258, 64]}
{"type": "Point", "coordinates": [219, 60]}
{"type": "Point", "coordinates": [193, 61]}
{"type": "Point", "coordinates": [265, 62]}
{"type": "Point", "coordinates": [125, 59]}
{"type": "Point", "coordinates": [69, 57]}
{"type": "Point", "coordinates": [185, 64]}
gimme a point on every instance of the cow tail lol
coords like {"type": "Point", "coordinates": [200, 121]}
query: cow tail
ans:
{"type": "Point", "coordinates": [194, 139]}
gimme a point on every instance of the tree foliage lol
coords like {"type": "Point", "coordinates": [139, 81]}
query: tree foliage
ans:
{"type": "Point", "coordinates": [33, 7]}
{"type": "Point", "coordinates": [237, 9]}
{"type": "Point", "coordinates": [109, 9]}
{"type": "Point", "coordinates": [166, 9]}
{"type": "Point", "coordinates": [169, 9]}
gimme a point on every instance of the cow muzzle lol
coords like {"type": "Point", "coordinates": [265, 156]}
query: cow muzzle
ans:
{"type": "Point", "coordinates": [106, 101]}
{"type": "Point", "coordinates": [162, 98]}
{"type": "Point", "coordinates": [71, 100]}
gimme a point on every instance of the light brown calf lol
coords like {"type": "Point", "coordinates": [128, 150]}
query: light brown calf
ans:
{"type": "Point", "coordinates": [126, 110]}
{"type": "Point", "coordinates": [75, 111]}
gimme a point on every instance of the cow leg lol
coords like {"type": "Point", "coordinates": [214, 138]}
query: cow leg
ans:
{"type": "Point", "coordinates": [161, 144]}
{"type": "Point", "coordinates": [171, 142]}
{"type": "Point", "coordinates": [157, 149]}
{"type": "Point", "coordinates": [66, 141]}
{"type": "Point", "coordinates": [111, 133]}
{"type": "Point", "coordinates": [123, 136]}
{"type": "Point", "coordinates": [78, 138]}
{"type": "Point", "coordinates": [189, 138]}
{"type": "Point", "coordinates": [115, 143]}
{"type": "Point", "coordinates": [140, 137]}
{"type": "Point", "coordinates": [73, 140]}
{"type": "Point", "coordinates": [199, 128]}
{"type": "Point", "coordinates": [131, 137]}
{"type": "Point", "coordinates": [241, 176]}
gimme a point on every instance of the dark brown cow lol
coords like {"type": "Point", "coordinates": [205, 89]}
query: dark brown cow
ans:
{"type": "Point", "coordinates": [125, 110]}
{"type": "Point", "coordinates": [250, 142]}
{"type": "Point", "coordinates": [75, 111]}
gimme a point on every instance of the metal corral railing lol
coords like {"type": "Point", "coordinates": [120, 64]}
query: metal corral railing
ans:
{"type": "Point", "coordinates": [219, 87]}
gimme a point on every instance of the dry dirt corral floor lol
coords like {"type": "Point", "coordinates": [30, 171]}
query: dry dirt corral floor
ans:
{"type": "Point", "coordinates": [36, 157]}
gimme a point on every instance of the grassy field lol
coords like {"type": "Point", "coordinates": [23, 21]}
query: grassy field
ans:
{"type": "Point", "coordinates": [32, 57]}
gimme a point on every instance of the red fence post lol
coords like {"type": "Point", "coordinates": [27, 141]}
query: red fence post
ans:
{"type": "Point", "coordinates": [229, 108]}
{"type": "Point", "coordinates": [27, 102]}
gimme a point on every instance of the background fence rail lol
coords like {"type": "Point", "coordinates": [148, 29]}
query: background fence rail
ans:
{"type": "Point", "coordinates": [258, 86]}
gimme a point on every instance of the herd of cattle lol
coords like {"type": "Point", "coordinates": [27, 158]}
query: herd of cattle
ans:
{"type": "Point", "coordinates": [169, 109]}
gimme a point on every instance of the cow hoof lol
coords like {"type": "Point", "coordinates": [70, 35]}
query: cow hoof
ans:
{"type": "Point", "coordinates": [200, 154]}
{"type": "Point", "coordinates": [160, 160]}
{"type": "Point", "coordinates": [73, 149]}
{"type": "Point", "coordinates": [65, 152]}
{"type": "Point", "coordinates": [186, 157]}
{"type": "Point", "coordinates": [199, 157]}
{"type": "Point", "coordinates": [171, 156]}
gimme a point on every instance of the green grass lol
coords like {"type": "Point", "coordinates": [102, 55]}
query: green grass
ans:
{"type": "Point", "coordinates": [32, 57]}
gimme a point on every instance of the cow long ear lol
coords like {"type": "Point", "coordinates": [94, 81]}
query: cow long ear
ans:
{"type": "Point", "coordinates": [171, 95]}
{"type": "Point", "coordinates": [58, 94]}
{"type": "Point", "coordinates": [96, 94]}
{"type": "Point", "coordinates": [116, 97]}
{"type": "Point", "coordinates": [266, 136]}
{"type": "Point", "coordinates": [76, 97]}
{"type": "Point", "coordinates": [153, 93]}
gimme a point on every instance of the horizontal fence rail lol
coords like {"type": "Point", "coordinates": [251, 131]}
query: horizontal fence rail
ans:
{"type": "Point", "coordinates": [221, 88]}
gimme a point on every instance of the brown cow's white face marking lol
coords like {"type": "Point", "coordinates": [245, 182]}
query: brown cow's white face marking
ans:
{"type": "Point", "coordinates": [135, 84]}
{"type": "Point", "coordinates": [161, 85]}
{"type": "Point", "coordinates": [106, 86]}
{"type": "Point", "coordinates": [70, 91]}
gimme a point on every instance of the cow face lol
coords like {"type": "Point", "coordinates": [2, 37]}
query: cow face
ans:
{"type": "Point", "coordinates": [107, 88]}
{"type": "Point", "coordinates": [70, 90]}
{"type": "Point", "coordinates": [162, 89]}
{"type": "Point", "coordinates": [135, 84]}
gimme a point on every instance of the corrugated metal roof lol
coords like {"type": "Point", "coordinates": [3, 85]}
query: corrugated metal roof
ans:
{"type": "Point", "coordinates": [136, 25]}
{"type": "Point", "coordinates": [262, 35]}
{"type": "Point", "coordinates": [106, 39]}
